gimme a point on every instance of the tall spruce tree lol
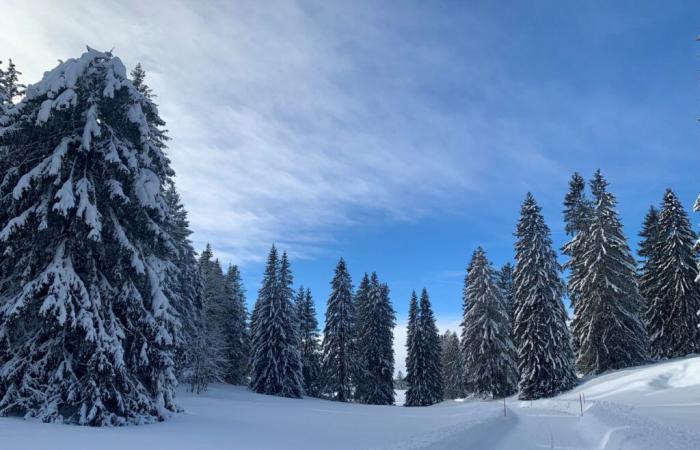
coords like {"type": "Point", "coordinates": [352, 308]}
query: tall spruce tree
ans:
{"type": "Point", "coordinates": [670, 313]}
{"type": "Point", "coordinates": [577, 216]}
{"type": "Point", "coordinates": [412, 329]}
{"type": "Point", "coordinates": [86, 321]}
{"type": "Point", "coordinates": [9, 82]}
{"type": "Point", "coordinates": [338, 366]}
{"type": "Point", "coordinates": [235, 329]}
{"type": "Point", "coordinates": [451, 365]}
{"type": "Point", "coordinates": [649, 248]}
{"type": "Point", "coordinates": [308, 342]}
{"type": "Point", "coordinates": [360, 376]}
{"type": "Point", "coordinates": [607, 323]}
{"type": "Point", "coordinates": [504, 281]}
{"type": "Point", "coordinates": [375, 338]}
{"type": "Point", "coordinates": [425, 387]}
{"type": "Point", "coordinates": [489, 355]}
{"type": "Point", "coordinates": [540, 332]}
{"type": "Point", "coordinates": [276, 364]}
{"type": "Point", "coordinates": [211, 364]}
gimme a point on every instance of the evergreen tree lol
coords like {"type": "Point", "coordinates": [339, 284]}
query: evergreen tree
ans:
{"type": "Point", "coordinates": [211, 364]}
{"type": "Point", "coordinates": [504, 281]}
{"type": "Point", "coordinates": [541, 335]}
{"type": "Point", "coordinates": [338, 335]}
{"type": "Point", "coordinates": [86, 322]}
{"type": "Point", "coordinates": [308, 342]}
{"type": "Point", "coordinates": [451, 364]}
{"type": "Point", "coordinates": [235, 330]}
{"type": "Point", "coordinates": [577, 216]}
{"type": "Point", "coordinates": [425, 387]}
{"type": "Point", "coordinates": [670, 313]}
{"type": "Point", "coordinates": [360, 377]}
{"type": "Point", "coordinates": [276, 366]}
{"type": "Point", "coordinates": [490, 367]}
{"type": "Point", "coordinates": [186, 282]}
{"type": "Point", "coordinates": [10, 82]}
{"type": "Point", "coordinates": [412, 329]}
{"type": "Point", "coordinates": [607, 323]}
{"type": "Point", "coordinates": [648, 250]}
{"type": "Point", "coordinates": [375, 338]}
{"type": "Point", "coordinates": [138, 77]}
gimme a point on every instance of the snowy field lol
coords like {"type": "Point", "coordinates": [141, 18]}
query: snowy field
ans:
{"type": "Point", "coordinates": [656, 407]}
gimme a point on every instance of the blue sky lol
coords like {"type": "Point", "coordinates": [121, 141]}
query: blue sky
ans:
{"type": "Point", "coordinates": [399, 135]}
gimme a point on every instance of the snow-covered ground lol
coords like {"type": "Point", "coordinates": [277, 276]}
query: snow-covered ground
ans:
{"type": "Point", "coordinates": [655, 407]}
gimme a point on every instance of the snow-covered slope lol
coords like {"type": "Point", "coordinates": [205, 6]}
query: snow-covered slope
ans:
{"type": "Point", "coordinates": [655, 407]}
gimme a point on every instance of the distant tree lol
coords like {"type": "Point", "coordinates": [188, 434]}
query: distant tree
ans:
{"type": "Point", "coordinates": [308, 342]}
{"type": "Point", "coordinates": [425, 385]}
{"type": "Point", "coordinates": [235, 329]}
{"type": "Point", "coordinates": [375, 325]}
{"type": "Point", "coordinates": [544, 351]}
{"type": "Point", "coordinates": [338, 364]}
{"type": "Point", "coordinates": [276, 364]}
{"type": "Point", "coordinates": [490, 367]}
{"type": "Point", "coordinates": [670, 313]}
{"type": "Point", "coordinates": [10, 87]}
{"type": "Point", "coordinates": [452, 366]}
{"type": "Point", "coordinates": [607, 322]}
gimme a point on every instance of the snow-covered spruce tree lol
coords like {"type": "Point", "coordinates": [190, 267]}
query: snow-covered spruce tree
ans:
{"type": "Point", "coordinates": [504, 281]}
{"type": "Point", "coordinates": [412, 350]}
{"type": "Point", "coordinates": [276, 364]}
{"type": "Point", "coordinates": [338, 365]}
{"type": "Point", "coordinates": [235, 330]}
{"type": "Point", "coordinates": [451, 365]}
{"type": "Point", "coordinates": [670, 313]}
{"type": "Point", "coordinates": [89, 330]}
{"type": "Point", "coordinates": [489, 356]}
{"type": "Point", "coordinates": [425, 386]}
{"type": "Point", "coordinates": [210, 334]}
{"type": "Point", "coordinates": [360, 374]}
{"type": "Point", "coordinates": [607, 324]}
{"type": "Point", "coordinates": [10, 87]}
{"type": "Point", "coordinates": [186, 282]}
{"type": "Point", "coordinates": [308, 342]}
{"type": "Point", "coordinates": [648, 251]}
{"type": "Point", "coordinates": [577, 215]}
{"type": "Point", "coordinates": [542, 338]}
{"type": "Point", "coordinates": [375, 338]}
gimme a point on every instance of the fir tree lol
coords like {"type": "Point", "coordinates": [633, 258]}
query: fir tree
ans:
{"type": "Point", "coordinates": [10, 82]}
{"type": "Point", "coordinates": [360, 377]}
{"type": "Point", "coordinates": [648, 250]}
{"type": "Point", "coordinates": [308, 342]}
{"type": "Point", "coordinates": [85, 314]}
{"type": "Point", "coordinates": [425, 387]}
{"type": "Point", "coordinates": [577, 216]}
{"type": "Point", "coordinates": [338, 364]}
{"type": "Point", "coordinates": [489, 355]}
{"type": "Point", "coordinates": [235, 330]}
{"type": "Point", "coordinates": [276, 366]}
{"type": "Point", "coordinates": [670, 313]}
{"type": "Point", "coordinates": [412, 329]}
{"type": "Point", "coordinates": [375, 324]}
{"type": "Point", "coordinates": [451, 364]}
{"type": "Point", "coordinates": [542, 338]}
{"type": "Point", "coordinates": [504, 281]}
{"type": "Point", "coordinates": [211, 364]}
{"type": "Point", "coordinates": [138, 77]}
{"type": "Point", "coordinates": [607, 323]}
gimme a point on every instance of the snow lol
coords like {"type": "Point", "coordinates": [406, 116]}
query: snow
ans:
{"type": "Point", "coordinates": [645, 408]}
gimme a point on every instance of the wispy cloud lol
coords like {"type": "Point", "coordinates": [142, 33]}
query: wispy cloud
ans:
{"type": "Point", "coordinates": [290, 120]}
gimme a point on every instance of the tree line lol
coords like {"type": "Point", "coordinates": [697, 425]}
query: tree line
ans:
{"type": "Point", "coordinates": [105, 305]}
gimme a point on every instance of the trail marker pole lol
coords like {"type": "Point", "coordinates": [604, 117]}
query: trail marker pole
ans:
{"type": "Point", "coordinates": [580, 400]}
{"type": "Point", "coordinates": [504, 406]}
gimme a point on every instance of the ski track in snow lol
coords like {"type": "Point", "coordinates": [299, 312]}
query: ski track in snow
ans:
{"type": "Point", "coordinates": [654, 407]}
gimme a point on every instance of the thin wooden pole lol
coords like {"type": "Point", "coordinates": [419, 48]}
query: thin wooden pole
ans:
{"type": "Point", "coordinates": [580, 400]}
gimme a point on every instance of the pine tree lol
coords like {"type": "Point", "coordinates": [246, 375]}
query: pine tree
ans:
{"type": "Point", "coordinates": [308, 342]}
{"type": "Point", "coordinates": [10, 82]}
{"type": "Point", "coordinates": [235, 330]}
{"type": "Point", "coordinates": [607, 321]}
{"type": "Point", "coordinates": [210, 339]}
{"type": "Point", "coordinates": [542, 338]}
{"type": "Point", "coordinates": [276, 366]}
{"type": "Point", "coordinates": [375, 325]}
{"type": "Point", "coordinates": [425, 387]}
{"type": "Point", "coordinates": [648, 250]}
{"type": "Point", "coordinates": [138, 77]}
{"type": "Point", "coordinates": [670, 313]}
{"type": "Point", "coordinates": [577, 216]}
{"type": "Point", "coordinates": [451, 364]}
{"type": "Point", "coordinates": [504, 281]}
{"type": "Point", "coordinates": [338, 364]}
{"type": "Point", "coordinates": [490, 367]}
{"type": "Point", "coordinates": [85, 319]}
{"type": "Point", "coordinates": [412, 350]}
{"type": "Point", "coordinates": [186, 282]}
